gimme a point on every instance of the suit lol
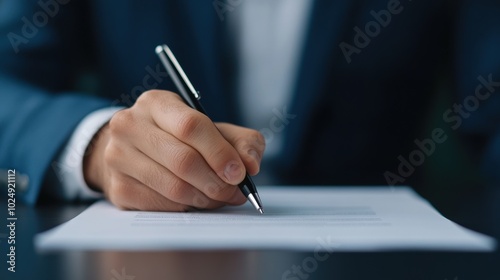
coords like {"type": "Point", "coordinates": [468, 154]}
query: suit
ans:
{"type": "Point", "coordinates": [364, 80]}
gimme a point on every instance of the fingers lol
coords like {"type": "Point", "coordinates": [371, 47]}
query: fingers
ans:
{"type": "Point", "coordinates": [129, 194]}
{"type": "Point", "coordinates": [162, 155]}
{"type": "Point", "coordinates": [198, 131]}
{"type": "Point", "coordinates": [160, 179]}
{"type": "Point", "coordinates": [179, 160]}
{"type": "Point", "coordinates": [249, 143]}
{"type": "Point", "coordinates": [167, 158]}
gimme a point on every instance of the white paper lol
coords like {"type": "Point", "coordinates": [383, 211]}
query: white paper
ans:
{"type": "Point", "coordinates": [299, 218]}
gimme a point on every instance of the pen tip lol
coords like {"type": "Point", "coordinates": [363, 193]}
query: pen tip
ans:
{"type": "Point", "coordinates": [255, 200]}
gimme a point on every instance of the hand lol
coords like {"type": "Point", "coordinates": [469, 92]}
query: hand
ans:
{"type": "Point", "coordinates": [162, 155]}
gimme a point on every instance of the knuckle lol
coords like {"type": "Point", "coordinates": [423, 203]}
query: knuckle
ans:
{"type": "Point", "coordinates": [189, 123]}
{"type": "Point", "coordinates": [220, 152]}
{"type": "Point", "coordinates": [178, 191]}
{"type": "Point", "coordinates": [163, 98]}
{"type": "Point", "coordinates": [147, 97]}
{"type": "Point", "coordinates": [219, 192]}
{"type": "Point", "coordinates": [253, 141]}
{"type": "Point", "coordinates": [223, 194]}
{"type": "Point", "coordinates": [200, 200]}
{"type": "Point", "coordinates": [256, 139]}
{"type": "Point", "coordinates": [184, 161]}
{"type": "Point", "coordinates": [259, 138]}
{"type": "Point", "coordinates": [112, 154]}
{"type": "Point", "coordinates": [174, 96]}
{"type": "Point", "coordinates": [120, 121]}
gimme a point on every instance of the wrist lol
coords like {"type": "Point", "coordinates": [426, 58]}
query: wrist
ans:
{"type": "Point", "coordinates": [93, 160]}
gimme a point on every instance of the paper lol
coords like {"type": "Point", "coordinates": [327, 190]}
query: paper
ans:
{"type": "Point", "coordinates": [299, 218]}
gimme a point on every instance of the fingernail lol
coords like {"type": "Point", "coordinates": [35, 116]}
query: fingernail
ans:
{"type": "Point", "coordinates": [255, 155]}
{"type": "Point", "coordinates": [233, 172]}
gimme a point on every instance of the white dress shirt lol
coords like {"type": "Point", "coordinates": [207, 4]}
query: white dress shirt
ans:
{"type": "Point", "coordinates": [272, 36]}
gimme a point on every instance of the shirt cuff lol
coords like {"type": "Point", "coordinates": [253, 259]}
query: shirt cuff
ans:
{"type": "Point", "coordinates": [70, 173]}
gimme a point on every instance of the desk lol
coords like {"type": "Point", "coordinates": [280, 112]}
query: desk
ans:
{"type": "Point", "coordinates": [247, 264]}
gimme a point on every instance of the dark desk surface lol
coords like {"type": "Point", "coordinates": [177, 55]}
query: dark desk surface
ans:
{"type": "Point", "coordinates": [482, 215]}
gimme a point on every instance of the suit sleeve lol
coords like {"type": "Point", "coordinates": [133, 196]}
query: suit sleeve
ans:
{"type": "Point", "coordinates": [41, 46]}
{"type": "Point", "coordinates": [478, 80]}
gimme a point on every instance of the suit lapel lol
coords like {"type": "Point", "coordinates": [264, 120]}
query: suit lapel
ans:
{"type": "Point", "coordinates": [326, 23]}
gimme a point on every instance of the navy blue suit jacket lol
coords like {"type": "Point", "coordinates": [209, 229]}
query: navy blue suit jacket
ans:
{"type": "Point", "coordinates": [364, 82]}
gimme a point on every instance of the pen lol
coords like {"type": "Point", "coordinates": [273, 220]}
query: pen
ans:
{"type": "Point", "coordinates": [192, 98]}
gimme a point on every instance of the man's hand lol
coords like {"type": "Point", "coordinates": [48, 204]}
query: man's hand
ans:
{"type": "Point", "coordinates": [160, 154]}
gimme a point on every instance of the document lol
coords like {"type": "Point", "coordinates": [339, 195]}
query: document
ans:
{"type": "Point", "coordinates": [295, 218]}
